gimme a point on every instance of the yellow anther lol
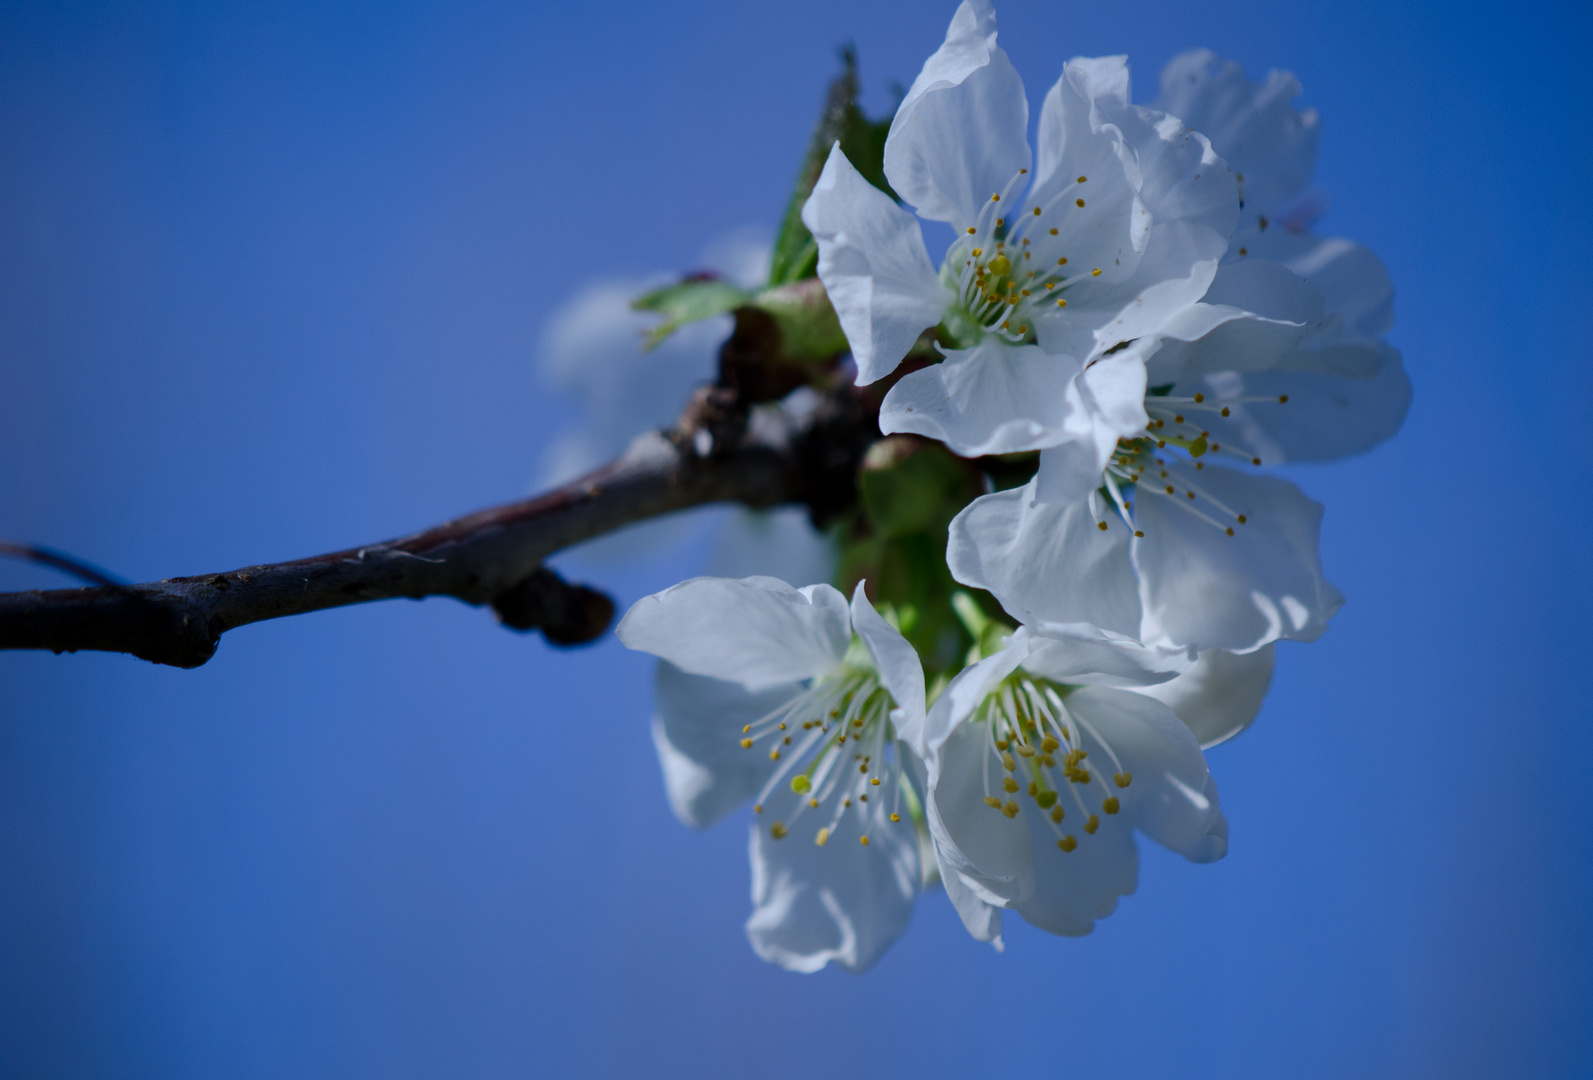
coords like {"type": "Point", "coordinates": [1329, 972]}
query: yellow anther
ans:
{"type": "Point", "coordinates": [1049, 743]}
{"type": "Point", "coordinates": [1061, 303]}
{"type": "Point", "coordinates": [1283, 399]}
{"type": "Point", "coordinates": [992, 802]}
{"type": "Point", "coordinates": [1067, 843]}
{"type": "Point", "coordinates": [1023, 328]}
{"type": "Point", "coordinates": [801, 783]}
{"type": "Point", "coordinates": [978, 252]}
{"type": "Point", "coordinates": [874, 780]}
{"type": "Point", "coordinates": [1243, 251]}
{"type": "Point", "coordinates": [858, 722]}
{"type": "Point", "coordinates": [1047, 759]}
{"type": "Point", "coordinates": [834, 713]}
{"type": "Point", "coordinates": [813, 803]}
{"type": "Point", "coordinates": [782, 725]}
{"type": "Point", "coordinates": [1009, 785]}
{"type": "Point", "coordinates": [1007, 762]}
{"type": "Point", "coordinates": [1111, 805]}
{"type": "Point", "coordinates": [1079, 202]}
{"type": "Point", "coordinates": [787, 740]}
{"type": "Point", "coordinates": [863, 840]}
{"type": "Point", "coordinates": [1053, 232]}
{"type": "Point", "coordinates": [1191, 494]}
{"type": "Point", "coordinates": [823, 837]}
{"type": "Point", "coordinates": [1230, 530]}
{"type": "Point", "coordinates": [1082, 179]}
{"type": "Point", "coordinates": [1036, 211]}
{"type": "Point", "coordinates": [1096, 272]}
{"type": "Point", "coordinates": [972, 230]}
{"type": "Point", "coordinates": [1056, 814]}
{"type": "Point", "coordinates": [1243, 519]}
{"type": "Point", "coordinates": [1178, 419]}
{"type": "Point", "coordinates": [746, 744]}
{"type": "Point", "coordinates": [1225, 410]}
{"type": "Point", "coordinates": [1000, 221]}
{"type": "Point", "coordinates": [1002, 744]}
{"type": "Point", "coordinates": [1091, 825]}
{"type": "Point", "coordinates": [1034, 788]}
{"type": "Point", "coordinates": [1263, 223]}
{"type": "Point", "coordinates": [1025, 750]}
{"type": "Point", "coordinates": [745, 728]}
{"type": "Point", "coordinates": [1198, 447]}
{"type": "Point", "coordinates": [778, 830]}
{"type": "Point", "coordinates": [1101, 525]}
{"type": "Point", "coordinates": [1063, 261]}
{"type": "Point", "coordinates": [774, 755]}
{"type": "Point", "coordinates": [1025, 292]}
{"type": "Point", "coordinates": [1050, 285]}
{"type": "Point", "coordinates": [1199, 398]}
{"type": "Point", "coordinates": [1255, 461]}
{"type": "Point", "coordinates": [896, 817]}
{"type": "Point", "coordinates": [1122, 779]}
{"type": "Point", "coordinates": [1045, 799]}
{"type": "Point", "coordinates": [862, 798]}
{"type": "Point", "coordinates": [1169, 489]}
{"type": "Point", "coordinates": [1010, 809]}
{"type": "Point", "coordinates": [846, 803]}
{"type": "Point", "coordinates": [757, 808]}
{"type": "Point", "coordinates": [996, 197]}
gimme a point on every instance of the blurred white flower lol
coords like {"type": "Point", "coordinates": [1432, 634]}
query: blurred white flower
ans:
{"type": "Point", "coordinates": [810, 708]}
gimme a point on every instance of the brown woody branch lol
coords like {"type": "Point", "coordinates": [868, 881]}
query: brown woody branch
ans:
{"type": "Point", "coordinates": [491, 557]}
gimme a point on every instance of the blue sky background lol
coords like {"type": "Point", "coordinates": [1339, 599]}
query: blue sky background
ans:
{"type": "Point", "coordinates": [271, 283]}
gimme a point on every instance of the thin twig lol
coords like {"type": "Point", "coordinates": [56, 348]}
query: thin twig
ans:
{"type": "Point", "coordinates": [491, 557]}
{"type": "Point", "coordinates": [59, 560]}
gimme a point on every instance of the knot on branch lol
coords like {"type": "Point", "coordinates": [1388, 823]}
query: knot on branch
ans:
{"type": "Point", "coordinates": [566, 614]}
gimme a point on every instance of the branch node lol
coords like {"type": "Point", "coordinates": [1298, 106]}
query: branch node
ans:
{"type": "Point", "coordinates": [567, 615]}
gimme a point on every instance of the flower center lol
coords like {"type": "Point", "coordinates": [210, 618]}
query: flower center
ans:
{"type": "Point", "coordinates": [1010, 266]}
{"type": "Point", "coordinates": [1144, 467]}
{"type": "Point", "coordinates": [1035, 750]}
{"type": "Point", "coordinates": [836, 750]}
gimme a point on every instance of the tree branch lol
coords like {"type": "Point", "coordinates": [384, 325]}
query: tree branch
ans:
{"type": "Point", "coordinates": [720, 452]}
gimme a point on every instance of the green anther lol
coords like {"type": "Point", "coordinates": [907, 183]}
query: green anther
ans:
{"type": "Point", "coordinates": [1045, 799]}
{"type": "Point", "coordinates": [1198, 447]}
{"type": "Point", "coordinates": [800, 783]}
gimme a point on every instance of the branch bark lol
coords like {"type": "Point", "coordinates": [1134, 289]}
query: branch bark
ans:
{"type": "Point", "coordinates": [720, 452]}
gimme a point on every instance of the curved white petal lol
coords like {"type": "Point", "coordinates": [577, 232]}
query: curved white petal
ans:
{"type": "Point", "coordinates": [965, 693]}
{"type": "Point", "coordinates": [990, 854]}
{"type": "Point", "coordinates": [841, 903]}
{"type": "Point", "coordinates": [1327, 416]}
{"type": "Point", "coordinates": [1354, 283]}
{"type": "Point", "coordinates": [1046, 563]}
{"type": "Point", "coordinates": [697, 725]}
{"type": "Point", "coordinates": [960, 134]}
{"type": "Point", "coordinates": [1220, 696]}
{"type": "Point", "coordinates": [1071, 889]}
{"type": "Point", "coordinates": [981, 919]}
{"type": "Point", "coordinates": [755, 631]}
{"type": "Point", "coordinates": [1172, 798]}
{"type": "Point", "coordinates": [1254, 126]}
{"type": "Point", "coordinates": [899, 668]}
{"type": "Point", "coordinates": [1204, 588]}
{"type": "Point", "coordinates": [1084, 655]}
{"type": "Point", "coordinates": [874, 267]}
{"type": "Point", "coordinates": [992, 399]}
{"type": "Point", "coordinates": [1255, 313]}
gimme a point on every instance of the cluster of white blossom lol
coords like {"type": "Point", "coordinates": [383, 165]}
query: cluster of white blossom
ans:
{"type": "Point", "coordinates": [1139, 300]}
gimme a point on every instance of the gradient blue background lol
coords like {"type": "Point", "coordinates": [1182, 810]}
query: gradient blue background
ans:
{"type": "Point", "coordinates": [271, 283]}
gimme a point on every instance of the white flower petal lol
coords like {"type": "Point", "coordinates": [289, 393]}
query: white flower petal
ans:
{"type": "Point", "coordinates": [755, 631]}
{"type": "Point", "coordinates": [842, 903]}
{"type": "Point", "coordinates": [1256, 128]}
{"type": "Point", "coordinates": [1202, 587]}
{"type": "Point", "coordinates": [1071, 889]}
{"type": "Point", "coordinates": [980, 918]}
{"type": "Point", "coordinates": [697, 725]}
{"type": "Point", "coordinates": [1269, 310]}
{"type": "Point", "coordinates": [1326, 417]}
{"type": "Point", "coordinates": [1046, 563]}
{"type": "Point", "coordinates": [991, 854]}
{"type": "Point", "coordinates": [1220, 696]}
{"type": "Point", "coordinates": [1086, 655]}
{"type": "Point", "coordinates": [874, 267]}
{"type": "Point", "coordinates": [899, 668]}
{"type": "Point", "coordinates": [1354, 283]}
{"type": "Point", "coordinates": [992, 399]}
{"type": "Point", "coordinates": [965, 693]}
{"type": "Point", "coordinates": [1172, 798]}
{"type": "Point", "coordinates": [960, 134]}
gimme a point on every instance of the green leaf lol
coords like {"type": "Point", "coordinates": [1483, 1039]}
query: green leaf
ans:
{"type": "Point", "coordinates": [796, 255]}
{"type": "Point", "coordinates": [688, 302]}
{"type": "Point", "coordinates": [809, 329]}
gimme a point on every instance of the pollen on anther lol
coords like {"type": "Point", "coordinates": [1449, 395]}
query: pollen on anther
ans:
{"type": "Point", "coordinates": [874, 781]}
{"type": "Point", "coordinates": [778, 830]}
{"type": "Point", "coordinates": [745, 728]}
{"type": "Point", "coordinates": [1101, 525]}
{"type": "Point", "coordinates": [1122, 779]}
{"type": "Point", "coordinates": [1079, 202]}
{"type": "Point", "coordinates": [813, 803]}
{"type": "Point", "coordinates": [1111, 805]}
{"type": "Point", "coordinates": [1096, 272]}
{"type": "Point", "coordinates": [1225, 410]}
{"type": "Point", "coordinates": [1063, 261]}
{"type": "Point", "coordinates": [1243, 519]}
{"type": "Point", "coordinates": [1036, 211]}
{"type": "Point", "coordinates": [896, 817]}
{"type": "Point", "coordinates": [1082, 179]}
{"type": "Point", "coordinates": [1169, 489]}
{"type": "Point", "coordinates": [1244, 251]}
{"type": "Point", "coordinates": [1283, 399]}
{"type": "Point", "coordinates": [1000, 221]}
{"type": "Point", "coordinates": [995, 198]}
{"type": "Point", "coordinates": [823, 837]}
{"type": "Point", "coordinates": [1230, 530]}
{"type": "Point", "coordinates": [978, 252]}
{"type": "Point", "coordinates": [1091, 825]}
{"type": "Point", "coordinates": [1255, 461]}
{"type": "Point", "coordinates": [1053, 232]}
{"type": "Point", "coordinates": [1199, 398]}
{"type": "Point", "coordinates": [1139, 534]}
{"type": "Point", "coordinates": [1067, 843]}
{"type": "Point", "coordinates": [1061, 303]}
{"type": "Point", "coordinates": [992, 802]}
{"type": "Point", "coordinates": [746, 744]}
{"type": "Point", "coordinates": [863, 840]}
{"type": "Point", "coordinates": [757, 808]}
{"type": "Point", "coordinates": [774, 755]}
{"type": "Point", "coordinates": [972, 230]}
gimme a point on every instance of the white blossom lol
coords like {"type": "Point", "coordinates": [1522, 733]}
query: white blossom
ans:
{"type": "Point", "coordinates": [813, 710]}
